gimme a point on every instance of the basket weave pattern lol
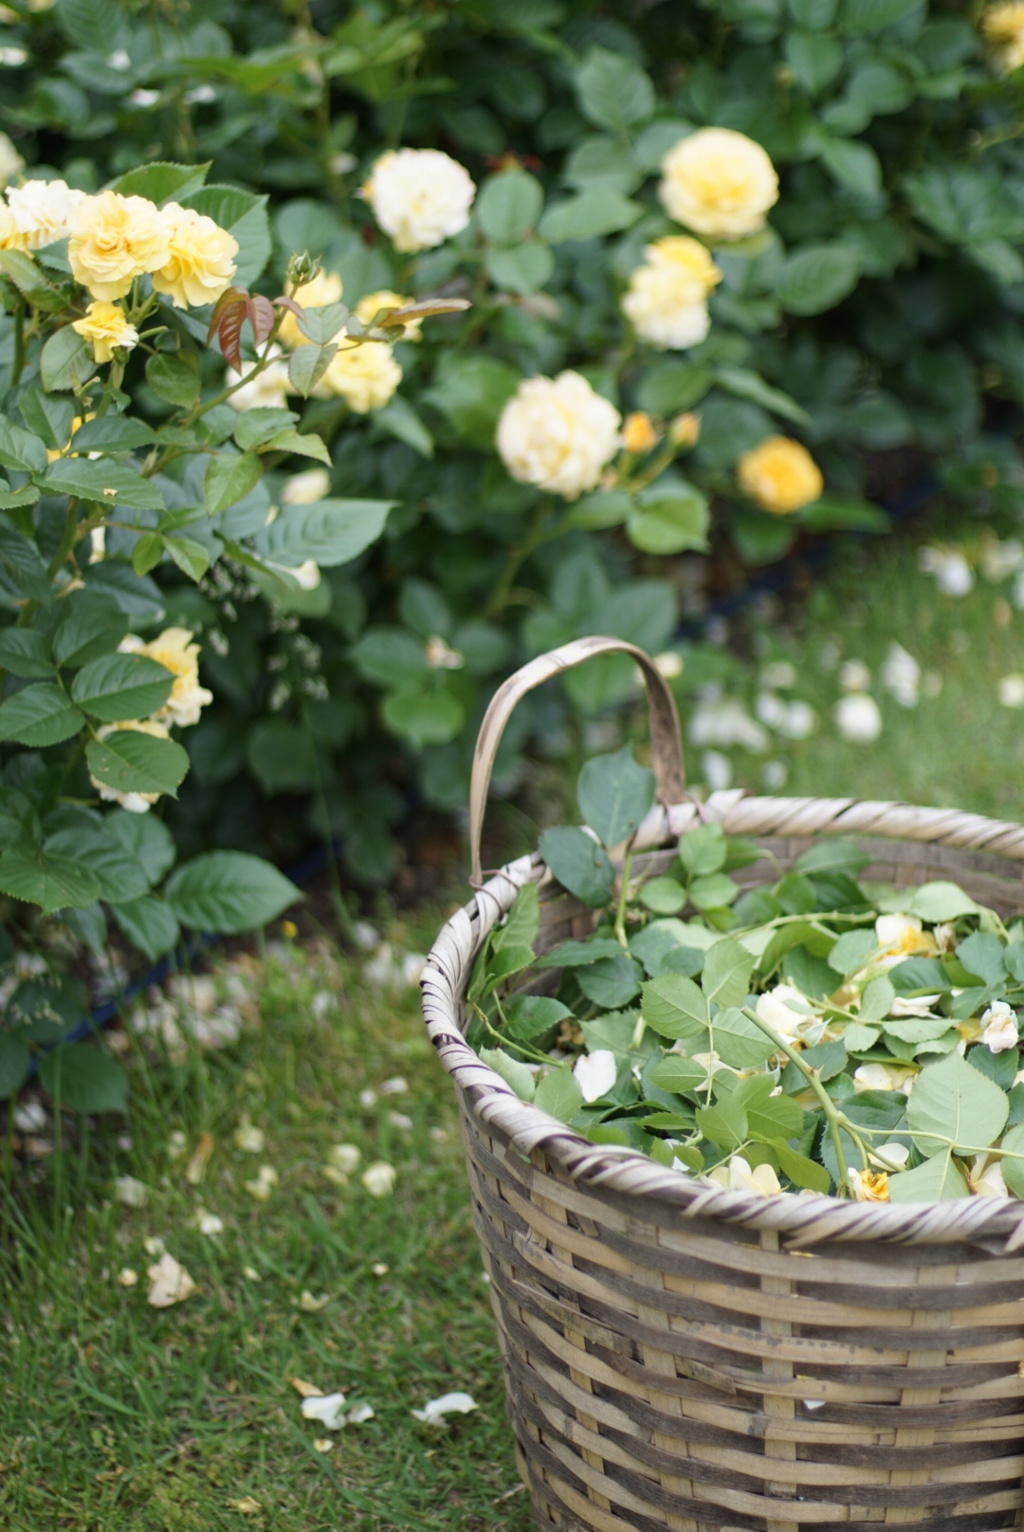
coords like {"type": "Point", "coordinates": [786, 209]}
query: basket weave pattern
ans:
{"type": "Point", "coordinates": [687, 1358]}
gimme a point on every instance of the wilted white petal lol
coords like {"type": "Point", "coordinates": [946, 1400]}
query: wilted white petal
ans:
{"type": "Point", "coordinates": [396, 1086]}
{"type": "Point", "coordinates": [344, 1157]}
{"type": "Point", "coordinates": [249, 1138]}
{"type": "Point", "coordinates": [435, 1410]}
{"type": "Point", "coordinates": [358, 1414]}
{"type": "Point", "coordinates": [999, 1027]}
{"type": "Point", "coordinates": [379, 1178]}
{"type": "Point", "coordinates": [209, 1223]}
{"type": "Point", "coordinates": [953, 574]}
{"type": "Point", "coordinates": [130, 1193]}
{"type": "Point", "coordinates": [854, 676]}
{"type": "Point", "coordinates": [126, 1277]}
{"type": "Point", "coordinates": [328, 1409]}
{"type": "Point", "coordinates": [261, 1188]}
{"type": "Point", "coordinates": [312, 1305]}
{"type": "Point", "coordinates": [595, 1073]}
{"type": "Point", "coordinates": [169, 1283]}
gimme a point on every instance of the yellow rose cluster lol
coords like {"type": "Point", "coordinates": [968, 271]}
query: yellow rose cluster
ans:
{"type": "Point", "coordinates": [174, 649]}
{"type": "Point", "coordinates": [719, 183]}
{"type": "Point", "coordinates": [780, 475]}
{"type": "Point", "coordinates": [112, 239]}
{"type": "Point", "coordinates": [363, 373]}
{"type": "Point", "coordinates": [667, 298]}
{"type": "Point", "coordinates": [1003, 26]}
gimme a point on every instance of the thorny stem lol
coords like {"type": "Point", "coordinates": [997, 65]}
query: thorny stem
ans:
{"type": "Point", "coordinates": [507, 1042]}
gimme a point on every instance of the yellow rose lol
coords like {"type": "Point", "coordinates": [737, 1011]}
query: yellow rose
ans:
{"type": "Point", "coordinates": [325, 288]}
{"type": "Point", "coordinates": [200, 261]}
{"type": "Point", "coordinates": [369, 307]}
{"type": "Point", "coordinates": [718, 182]}
{"type": "Point", "coordinates": [1003, 25]}
{"type": "Point", "coordinates": [41, 211]}
{"type": "Point", "coordinates": [106, 326]}
{"type": "Point", "coordinates": [558, 433]}
{"type": "Point", "coordinates": [365, 376]}
{"type": "Point", "coordinates": [780, 475]}
{"type": "Point", "coordinates": [174, 649]}
{"type": "Point", "coordinates": [667, 297]}
{"type": "Point", "coordinates": [115, 239]}
{"type": "Point", "coordinates": [8, 227]}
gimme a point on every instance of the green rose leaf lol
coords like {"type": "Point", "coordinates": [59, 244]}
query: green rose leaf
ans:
{"type": "Point", "coordinates": [122, 686]}
{"type": "Point", "coordinates": [737, 1040]}
{"type": "Point", "coordinates": [25, 652]}
{"type": "Point", "coordinates": [614, 793]}
{"type": "Point", "coordinates": [515, 1075]}
{"type": "Point", "coordinates": [424, 718]}
{"type": "Point", "coordinates": [330, 531]}
{"type": "Point", "coordinates": [82, 1077]}
{"type": "Point", "coordinates": [952, 1103]}
{"type": "Point", "coordinates": [229, 478]}
{"type": "Point", "coordinates": [39, 715]}
{"type": "Point", "coordinates": [66, 361]}
{"type": "Point", "coordinates": [578, 862]}
{"type": "Point", "coordinates": [614, 92]}
{"type": "Point", "coordinates": [509, 205]}
{"type": "Point", "coordinates": [228, 892]}
{"type": "Point", "coordinates": [15, 1063]}
{"type": "Point", "coordinates": [676, 1007]}
{"type": "Point", "coordinates": [937, 1180]}
{"type": "Point", "coordinates": [20, 449]}
{"type": "Point", "coordinates": [134, 762]}
{"type": "Point", "coordinates": [727, 970]}
{"type": "Point", "coordinates": [53, 882]}
{"type": "Point", "coordinates": [558, 1094]}
{"type": "Point", "coordinates": [817, 277]}
{"type": "Point", "coordinates": [670, 521]}
{"type": "Point", "coordinates": [941, 901]}
{"type": "Point", "coordinates": [587, 215]}
{"type": "Point", "coordinates": [148, 922]}
{"type": "Point", "coordinates": [102, 481]}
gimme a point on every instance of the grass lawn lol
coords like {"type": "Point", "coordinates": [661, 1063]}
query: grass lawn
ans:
{"type": "Point", "coordinates": [117, 1415]}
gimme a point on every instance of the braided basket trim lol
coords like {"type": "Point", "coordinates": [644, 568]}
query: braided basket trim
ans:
{"type": "Point", "coordinates": [804, 1219]}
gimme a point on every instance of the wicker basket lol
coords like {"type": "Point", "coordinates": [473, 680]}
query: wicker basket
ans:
{"type": "Point", "coordinates": [683, 1357]}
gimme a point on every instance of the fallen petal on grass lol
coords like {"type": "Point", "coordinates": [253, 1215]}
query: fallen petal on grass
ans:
{"type": "Point", "coordinates": [434, 1411]}
{"type": "Point", "coordinates": [208, 1223]}
{"type": "Point", "coordinates": [261, 1188]}
{"type": "Point", "coordinates": [379, 1178]}
{"type": "Point", "coordinates": [307, 1390]}
{"type": "Point", "coordinates": [195, 1170]}
{"type": "Point", "coordinates": [310, 1305]}
{"type": "Point", "coordinates": [323, 1444]}
{"type": "Point", "coordinates": [130, 1192]}
{"type": "Point", "coordinates": [344, 1158]}
{"type": "Point", "coordinates": [328, 1409]}
{"type": "Point", "coordinates": [169, 1283]}
{"type": "Point", "coordinates": [248, 1137]}
{"type": "Point", "coordinates": [126, 1277]}
{"type": "Point", "coordinates": [247, 1505]}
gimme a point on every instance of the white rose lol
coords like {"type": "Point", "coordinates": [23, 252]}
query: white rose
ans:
{"type": "Point", "coordinates": [718, 182]}
{"type": "Point", "coordinates": [595, 1073]}
{"type": "Point", "coordinates": [558, 433]}
{"type": "Point", "coordinates": [790, 1014]}
{"type": "Point", "coordinates": [999, 1027]}
{"type": "Point", "coordinates": [420, 197]}
{"type": "Point", "coordinates": [42, 211]}
{"type": "Point", "coordinates": [737, 1176]}
{"type": "Point", "coordinates": [884, 1077]}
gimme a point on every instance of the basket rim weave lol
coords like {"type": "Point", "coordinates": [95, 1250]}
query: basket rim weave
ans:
{"type": "Point", "coordinates": [803, 1219]}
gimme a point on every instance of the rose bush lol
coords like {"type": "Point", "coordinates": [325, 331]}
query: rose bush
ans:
{"type": "Point", "coordinates": [729, 223]}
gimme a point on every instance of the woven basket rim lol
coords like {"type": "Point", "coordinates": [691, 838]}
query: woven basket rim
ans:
{"type": "Point", "coordinates": [805, 1218]}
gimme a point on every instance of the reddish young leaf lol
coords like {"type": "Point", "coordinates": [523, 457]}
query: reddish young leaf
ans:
{"type": "Point", "coordinates": [229, 333]}
{"type": "Point", "coordinates": [261, 316]}
{"type": "Point", "coordinates": [228, 296]}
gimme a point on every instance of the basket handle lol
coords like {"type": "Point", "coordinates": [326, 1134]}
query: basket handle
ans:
{"type": "Point", "coordinates": [666, 743]}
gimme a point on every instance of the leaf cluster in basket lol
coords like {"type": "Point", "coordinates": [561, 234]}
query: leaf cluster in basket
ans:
{"type": "Point", "coordinates": [811, 1032]}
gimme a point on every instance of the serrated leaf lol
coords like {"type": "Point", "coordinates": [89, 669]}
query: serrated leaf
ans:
{"type": "Point", "coordinates": [307, 365]}
{"type": "Point", "coordinates": [725, 1124]}
{"type": "Point", "coordinates": [579, 864]}
{"type": "Point", "coordinates": [800, 1170]}
{"type": "Point", "coordinates": [1013, 1169]}
{"type": "Point", "coordinates": [702, 851]}
{"type": "Point", "coordinates": [332, 532]}
{"type": "Point", "coordinates": [876, 1001]}
{"type": "Point", "coordinates": [675, 1072]}
{"type": "Point", "coordinates": [228, 892]}
{"type": "Point", "coordinates": [676, 1007]}
{"type": "Point", "coordinates": [663, 896]}
{"type": "Point", "coordinates": [558, 1094]}
{"type": "Point", "coordinates": [611, 982]}
{"type": "Point", "coordinates": [122, 686]}
{"type": "Point", "coordinates": [66, 361]}
{"type": "Point", "coordinates": [146, 840]}
{"type": "Point", "coordinates": [88, 627]}
{"type": "Point", "coordinates": [523, 920]}
{"type": "Point", "coordinates": [84, 1078]}
{"type": "Point", "coordinates": [941, 901]}
{"type": "Point", "coordinates": [768, 1117]}
{"type": "Point", "coordinates": [39, 715]}
{"type": "Point", "coordinates": [528, 1016]}
{"type": "Point", "coordinates": [515, 1074]}
{"type": "Point", "coordinates": [149, 923]}
{"type": "Point", "coordinates": [614, 793]}
{"type": "Point", "coordinates": [25, 652]}
{"type": "Point", "coordinates": [576, 954]}
{"type": "Point", "coordinates": [20, 449]}
{"type": "Point", "coordinates": [23, 566]}
{"type": "Point", "coordinates": [191, 557]}
{"type": "Point", "coordinates": [952, 1103]}
{"type": "Point", "coordinates": [133, 762]}
{"type": "Point", "coordinates": [737, 1040]}
{"type": "Point", "coordinates": [727, 970]}
{"type": "Point", "coordinates": [52, 882]}
{"type": "Point", "coordinates": [228, 479]}
{"type": "Point", "coordinates": [103, 481]}
{"type": "Point", "coordinates": [939, 1179]}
